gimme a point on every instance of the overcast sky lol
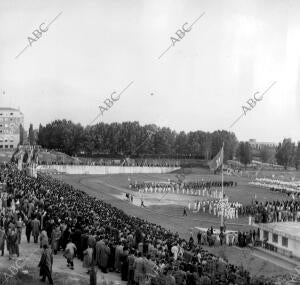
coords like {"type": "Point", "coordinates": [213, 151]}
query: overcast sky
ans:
{"type": "Point", "coordinates": [94, 48]}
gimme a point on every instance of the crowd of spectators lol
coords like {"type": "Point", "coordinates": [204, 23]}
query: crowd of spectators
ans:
{"type": "Point", "coordinates": [100, 234]}
{"type": "Point", "coordinates": [111, 162]}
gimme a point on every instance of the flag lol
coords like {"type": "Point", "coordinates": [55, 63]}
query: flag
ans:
{"type": "Point", "coordinates": [217, 161]}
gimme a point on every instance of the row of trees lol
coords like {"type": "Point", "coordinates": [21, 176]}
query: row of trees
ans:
{"type": "Point", "coordinates": [132, 139]}
{"type": "Point", "coordinates": [245, 153]}
{"type": "Point", "coordinates": [286, 154]}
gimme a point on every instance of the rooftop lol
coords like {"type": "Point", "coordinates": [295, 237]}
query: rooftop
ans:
{"type": "Point", "coordinates": [8, 109]}
{"type": "Point", "coordinates": [286, 229]}
{"type": "Point", "coordinates": [262, 143]}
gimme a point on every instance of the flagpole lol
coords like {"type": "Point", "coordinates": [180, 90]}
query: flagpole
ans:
{"type": "Point", "coordinates": [214, 164]}
{"type": "Point", "coordinates": [222, 199]}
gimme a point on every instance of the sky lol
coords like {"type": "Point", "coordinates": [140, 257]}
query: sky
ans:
{"type": "Point", "coordinates": [235, 50]}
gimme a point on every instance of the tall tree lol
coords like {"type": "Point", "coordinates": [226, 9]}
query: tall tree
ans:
{"type": "Point", "coordinates": [244, 153]}
{"type": "Point", "coordinates": [40, 137]}
{"type": "Point", "coordinates": [21, 133]}
{"type": "Point", "coordinates": [229, 140]}
{"type": "Point", "coordinates": [181, 144]}
{"type": "Point", "coordinates": [285, 153]}
{"type": "Point", "coordinates": [297, 157]}
{"type": "Point", "coordinates": [266, 154]}
{"type": "Point", "coordinates": [31, 137]}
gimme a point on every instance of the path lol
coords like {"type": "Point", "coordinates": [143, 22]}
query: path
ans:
{"type": "Point", "coordinates": [26, 266]}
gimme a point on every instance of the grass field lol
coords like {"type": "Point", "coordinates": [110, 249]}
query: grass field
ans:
{"type": "Point", "coordinates": [111, 188]}
{"type": "Point", "coordinates": [243, 193]}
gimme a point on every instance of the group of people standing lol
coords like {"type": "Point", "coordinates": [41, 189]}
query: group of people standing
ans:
{"type": "Point", "coordinates": [261, 212]}
{"type": "Point", "coordinates": [214, 207]}
{"type": "Point", "coordinates": [274, 211]}
{"type": "Point", "coordinates": [290, 188]}
{"type": "Point", "coordinates": [231, 238]}
{"type": "Point", "coordinates": [188, 187]}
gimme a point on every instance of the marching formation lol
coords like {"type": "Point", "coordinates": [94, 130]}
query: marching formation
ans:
{"type": "Point", "coordinates": [214, 207]}
{"type": "Point", "coordinates": [287, 187]}
{"type": "Point", "coordinates": [268, 212]}
{"type": "Point", "coordinates": [199, 188]}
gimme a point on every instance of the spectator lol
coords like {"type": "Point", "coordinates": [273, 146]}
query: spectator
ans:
{"type": "Point", "coordinates": [45, 264]}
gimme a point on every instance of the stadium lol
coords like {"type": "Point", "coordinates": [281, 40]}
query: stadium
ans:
{"type": "Point", "coordinates": [163, 149]}
{"type": "Point", "coordinates": [186, 201]}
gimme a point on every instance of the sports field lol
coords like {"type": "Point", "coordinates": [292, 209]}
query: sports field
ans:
{"type": "Point", "coordinates": [167, 210]}
{"type": "Point", "coordinates": [113, 187]}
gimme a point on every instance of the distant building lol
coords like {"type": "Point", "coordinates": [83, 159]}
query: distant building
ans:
{"type": "Point", "coordinates": [10, 120]}
{"type": "Point", "coordinates": [258, 145]}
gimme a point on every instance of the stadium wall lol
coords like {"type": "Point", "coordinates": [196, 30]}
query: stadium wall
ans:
{"type": "Point", "coordinates": [89, 169]}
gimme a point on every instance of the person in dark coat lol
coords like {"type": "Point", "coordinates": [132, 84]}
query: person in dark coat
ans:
{"type": "Point", "coordinates": [49, 227]}
{"type": "Point", "coordinates": [45, 264]}
{"type": "Point", "coordinates": [83, 244]}
{"type": "Point", "coordinates": [28, 230]}
{"type": "Point", "coordinates": [199, 235]}
{"type": "Point", "coordinates": [118, 254]}
{"type": "Point", "coordinates": [77, 240]}
{"type": "Point", "coordinates": [124, 264]}
{"type": "Point", "coordinates": [111, 258]}
{"type": "Point", "coordinates": [19, 225]}
{"type": "Point", "coordinates": [105, 253]}
{"type": "Point", "coordinates": [130, 260]}
{"type": "Point", "coordinates": [2, 240]}
{"type": "Point", "coordinates": [190, 278]}
{"type": "Point", "coordinates": [138, 236]}
{"type": "Point", "coordinates": [12, 243]}
{"type": "Point", "coordinates": [35, 224]}
{"type": "Point", "coordinates": [91, 241]}
{"type": "Point", "coordinates": [100, 244]}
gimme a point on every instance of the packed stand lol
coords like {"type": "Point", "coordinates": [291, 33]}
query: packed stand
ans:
{"type": "Point", "coordinates": [112, 162]}
{"type": "Point", "coordinates": [55, 214]}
